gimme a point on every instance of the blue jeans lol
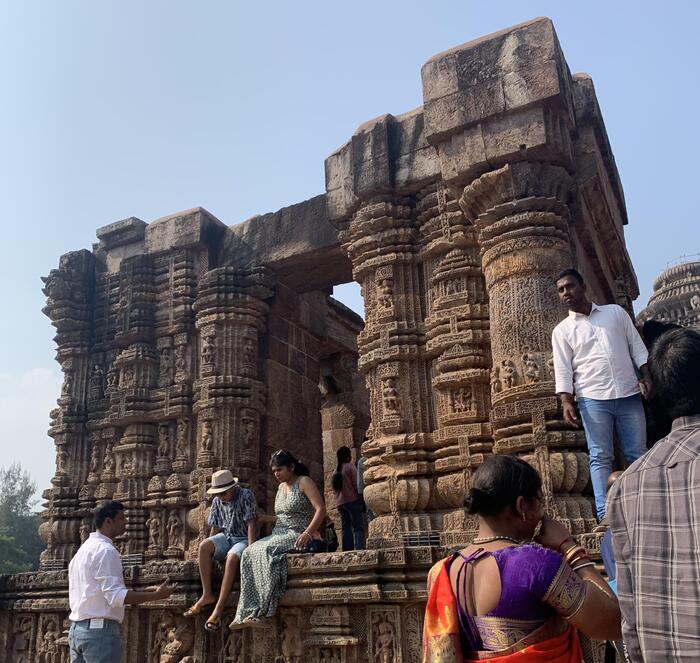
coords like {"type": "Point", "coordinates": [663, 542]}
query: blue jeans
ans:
{"type": "Point", "coordinates": [353, 523]}
{"type": "Point", "coordinates": [95, 645]}
{"type": "Point", "coordinates": [600, 418]}
{"type": "Point", "coordinates": [223, 546]}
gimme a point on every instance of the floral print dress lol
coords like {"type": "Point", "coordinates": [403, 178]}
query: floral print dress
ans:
{"type": "Point", "coordinates": [264, 564]}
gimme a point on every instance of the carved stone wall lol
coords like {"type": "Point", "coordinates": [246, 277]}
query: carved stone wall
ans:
{"type": "Point", "coordinates": [676, 297]}
{"type": "Point", "coordinates": [188, 345]}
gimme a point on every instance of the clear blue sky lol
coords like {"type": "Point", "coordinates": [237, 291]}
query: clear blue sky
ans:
{"type": "Point", "coordinates": [117, 109]}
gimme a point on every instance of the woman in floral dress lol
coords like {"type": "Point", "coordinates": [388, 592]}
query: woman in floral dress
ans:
{"type": "Point", "coordinates": [299, 514]}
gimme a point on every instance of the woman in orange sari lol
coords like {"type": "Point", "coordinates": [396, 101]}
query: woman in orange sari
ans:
{"type": "Point", "coordinates": [505, 600]}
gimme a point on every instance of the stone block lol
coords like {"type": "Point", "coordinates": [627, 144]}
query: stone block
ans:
{"type": "Point", "coordinates": [371, 158]}
{"type": "Point", "coordinates": [183, 230]}
{"type": "Point", "coordinates": [120, 233]}
{"type": "Point", "coordinates": [496, 74]}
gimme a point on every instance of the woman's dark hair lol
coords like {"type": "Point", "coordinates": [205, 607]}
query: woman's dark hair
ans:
{"type": "Point", "coordinates": [674, 364]}
{"type": "Point", "coordinates": [284, 458]}
{"type": "Point", "coordinates": [498, 482]}
{"type": "Point", "coordinates": [107, 510]}
{"type": "Point", "coordinates": [344, 455]}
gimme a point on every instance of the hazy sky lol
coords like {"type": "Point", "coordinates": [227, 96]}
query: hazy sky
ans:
{"type": "Point", "coordinates": [118, 109]}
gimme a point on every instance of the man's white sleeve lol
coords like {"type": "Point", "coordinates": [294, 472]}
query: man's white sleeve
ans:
{"type": "Point", "coordinates": [638, 350]}
{"type": "Point", "coordinates": [563, 370]}
{"type": "Point", "coordinates": [110, 576]}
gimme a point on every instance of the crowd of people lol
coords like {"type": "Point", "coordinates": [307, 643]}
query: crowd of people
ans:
{"type": "Point", "coordinates": [299, 524]}
{"type": "Point", "coordinates": [524, 588]}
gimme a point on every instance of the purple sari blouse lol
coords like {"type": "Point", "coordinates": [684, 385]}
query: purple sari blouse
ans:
{"type": "Point", "coordinates": [536, 583]}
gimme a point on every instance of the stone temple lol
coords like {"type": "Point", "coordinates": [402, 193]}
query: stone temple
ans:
{"type": "Point", "coordinates": [676, 296]}
{"type": "Point", "coordinates": [188, 345]}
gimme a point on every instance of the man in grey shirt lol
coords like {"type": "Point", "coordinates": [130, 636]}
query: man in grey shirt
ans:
{"type": "Point", "coordinates": [654, 514]}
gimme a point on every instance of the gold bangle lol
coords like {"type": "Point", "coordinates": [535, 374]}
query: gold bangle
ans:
{"type": "Point", "coordinates": [573, 552]}
{"type": "Point", "coordinates": [582, 566]}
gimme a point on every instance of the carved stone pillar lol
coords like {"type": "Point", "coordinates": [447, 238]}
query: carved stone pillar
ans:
{"type": "Point", "coordinates": [229, 395]}
{"type": "Point", "coordinates": [520, 212]}
{"type": "Point", "coordinates": [69, 292]}
{"type": "Point", "coordinates": [381, 241]}
{"type": "Point", "coordinates": [457, 341]}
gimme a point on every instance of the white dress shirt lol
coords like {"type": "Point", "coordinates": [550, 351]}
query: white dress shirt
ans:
{"type": "Point", "coordinates": [96, 581]}
{"type": "Point", "coordinates": [595, 355]}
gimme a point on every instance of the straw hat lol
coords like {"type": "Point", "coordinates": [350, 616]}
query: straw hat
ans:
{"type": "Point", "coordinates": [221, 481]}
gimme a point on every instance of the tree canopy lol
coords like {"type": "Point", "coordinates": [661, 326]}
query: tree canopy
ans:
{"type": "Point", "coordinates": [20, 544]}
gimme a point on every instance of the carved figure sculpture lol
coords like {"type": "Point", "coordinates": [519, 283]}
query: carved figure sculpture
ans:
{"type": "Point", "coordinates": [160, 637]}
{"type": "Point", "coordinates": [94, 460]}
{"type": "Point", "coordinates": [20, 641]}
{"type": "Point", "coordinates": [128, 376]}
{"type": "Point", "coordinates": [96, 383]}
{"type": "Point", "coordinates": [112, 377]}
{"type": "Point", "coordinates": [292, 648]}
{"type": "Point", "coordinates": [165, 366]}
{"type": "Point", "coordinates": [61, 461]}
{"type": "Point", "coordinates": [509, 374]}
{"type": "Point", "coordinates": [208, 350]}
{"type": "Point", "coordinates": [385, 643]}
{"type": "Point", "coordinates": [207, 436]}
{"type": "Point", "coordinates": [532, 368]}
{"type": "Point", "coordinates": [390, 396]}
{"type": "Point", "coordinates": [181, 444]}
{"type": "Point", "coordinates": [109, 461]}
{"type": "Point", "coordinates": [174, 530]}
{"type": "Point", "coordinates": [127, 465]}
{"type": "Point", "coordinates": [84, 531]}
{"type": "Point", "coordinates": [179, 642]}
{"type": "Point", "coordinates": [385, 292]}
{"type": "Point", "coordinates": [496, 386]}
{"type": "Point", "coordinates": [550, 368]}
{"type": "Point", "coordinates": [462, 400]}
{"type": "Point", "coordinates": [248, 350]}
{"type": "Point", "coordinates": [153, 524]}
{"type": "Point", "coordinates": [181, 358]}
{"type": "Point", "coordinates": [48, 648]}
{"type": "Point", "coordinates": [163, 441]}
{"type": "Point", "coordinates": [67, 388]}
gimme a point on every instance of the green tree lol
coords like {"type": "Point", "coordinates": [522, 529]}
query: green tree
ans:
{"type": "Point", "coordinates": [20, 544]}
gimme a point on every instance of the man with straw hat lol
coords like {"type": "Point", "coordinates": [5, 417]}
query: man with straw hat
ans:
{"type": "Point", "coordinates": [233, 527]}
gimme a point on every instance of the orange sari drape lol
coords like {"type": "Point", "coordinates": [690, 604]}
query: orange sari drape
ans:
{"type": "Point", "coordinates": [441, 639]}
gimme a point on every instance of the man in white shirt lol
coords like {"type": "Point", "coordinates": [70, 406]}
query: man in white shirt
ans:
{"type": "Point", "coordinates": [97, 593]}
{"type": "Point", "coordinates": [595, 350]}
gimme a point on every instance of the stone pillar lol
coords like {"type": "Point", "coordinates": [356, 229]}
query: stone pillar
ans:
{"type": "Point", "coordinates": [457, 342]}
{"type": "Point", "coordinates": [136, 373]}
{"type": "Point", "coordinates": [500, 114]}
{"type": "Point", "coordinates": [381, 241]}
{"type": "Point", "coordinates": [229, 394]}
{"type": "Point", "coordinates": [69, 292]}
{"type": "Point", "coordinates": [520, 212]}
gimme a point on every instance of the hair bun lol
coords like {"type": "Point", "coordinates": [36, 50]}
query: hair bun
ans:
{"type": "Point", "coordinates": [476, 500]}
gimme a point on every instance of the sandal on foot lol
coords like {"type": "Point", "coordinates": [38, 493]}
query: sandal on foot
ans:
{"type": "Point", "coordinates": [213, 624]}
{"type": "Point", "coordinates": [196, 610]}
{"type": "Point", "coordinates": [255, 622]}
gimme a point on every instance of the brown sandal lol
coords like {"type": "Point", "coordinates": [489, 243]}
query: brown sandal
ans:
{"type": "Point", "coordinates": [194, 610]}
{"type": "Point", "coordinates": [213, 624]}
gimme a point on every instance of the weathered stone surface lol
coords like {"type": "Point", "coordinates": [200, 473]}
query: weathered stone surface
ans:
{"type": "Point", "coordinates": [297, 242]}
{"type": "Point", "coordinates": [188, 345]}
{"type": "Point", "coordinates": [676, 297]}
